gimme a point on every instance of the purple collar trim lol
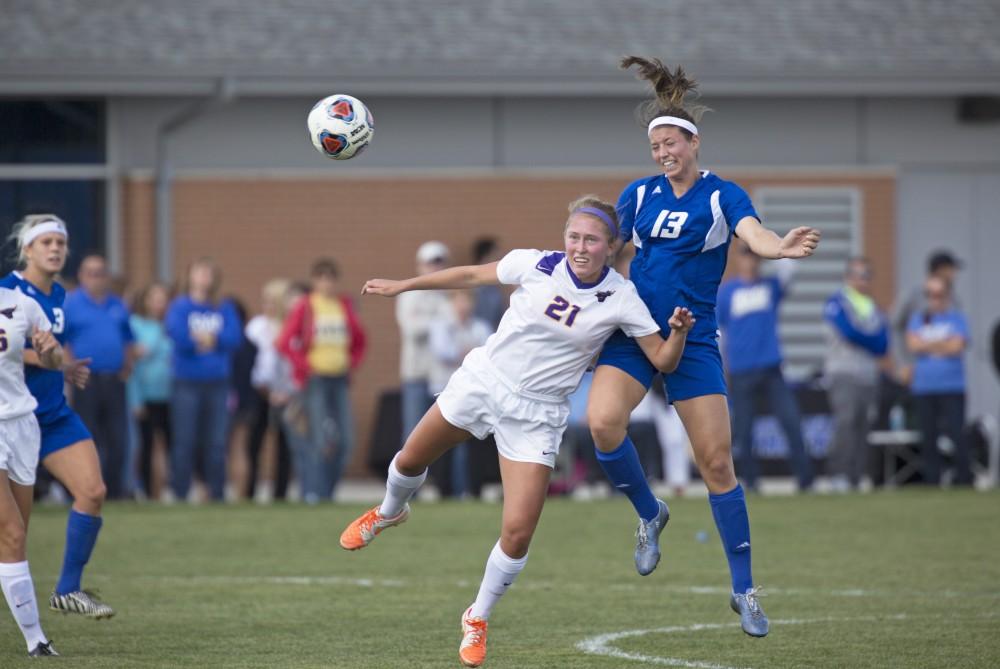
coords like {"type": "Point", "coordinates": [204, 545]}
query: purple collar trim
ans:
{"type": "Point", "coordinates": [582, 284]}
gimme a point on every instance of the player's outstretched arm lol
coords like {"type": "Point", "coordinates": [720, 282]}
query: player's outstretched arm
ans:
{"type": "Point", "coordinates": [666, 353]}
{"type": "Point", "coordinates": [466, 276]}
{"type": "Point", "coordinates": [798, 243]}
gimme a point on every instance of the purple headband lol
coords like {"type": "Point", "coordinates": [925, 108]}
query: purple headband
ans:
{"type": "Point", "coordinates": [594, 211]}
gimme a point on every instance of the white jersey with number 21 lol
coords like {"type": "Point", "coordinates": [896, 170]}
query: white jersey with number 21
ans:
{"type": "Point", "coordinates": [19, 315]}
{"type": "Point", "coordinates": [556, 324]}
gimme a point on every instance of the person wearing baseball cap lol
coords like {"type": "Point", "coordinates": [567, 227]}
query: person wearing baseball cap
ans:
{"type": "Point", "coordinates": [415, 311]}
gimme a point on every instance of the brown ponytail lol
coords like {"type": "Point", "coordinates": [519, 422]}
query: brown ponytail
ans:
{"type": "Point", "coordinates": [670, 89]}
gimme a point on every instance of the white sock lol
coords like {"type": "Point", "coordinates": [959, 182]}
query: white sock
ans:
{"type": "Point", "coordinates": [19, 591]}
{"type": "Point", "coordinates": [501, 570]}
{"type": "Point", "coordinates": [399, 489]}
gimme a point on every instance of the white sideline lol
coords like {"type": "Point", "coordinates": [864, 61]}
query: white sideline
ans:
{"type": "Point", "coordinates": [711, 590]}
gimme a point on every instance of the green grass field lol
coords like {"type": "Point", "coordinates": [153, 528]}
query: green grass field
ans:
{"type": "Point", "coordinates": [910, 579]}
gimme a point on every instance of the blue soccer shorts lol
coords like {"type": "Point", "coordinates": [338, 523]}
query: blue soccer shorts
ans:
{"type": "Point", "coordinates": [61, 430]}
{"type": "Point", "coordinates": [698, 373]}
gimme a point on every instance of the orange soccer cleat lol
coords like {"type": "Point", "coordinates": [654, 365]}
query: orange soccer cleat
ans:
{"type": "Point", "coordinates": [364, 529]}
{"type": "Point", "coordinates": [472, 652]}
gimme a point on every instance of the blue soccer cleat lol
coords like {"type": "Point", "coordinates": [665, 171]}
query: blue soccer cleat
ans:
{"type": "Point", "coordinates": [647, 544]}
{"type": "Point", "coordinates": [752, 617]}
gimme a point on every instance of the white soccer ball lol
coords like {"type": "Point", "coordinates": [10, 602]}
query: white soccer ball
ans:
{"type": "Point", "coordinates": [340, 126]}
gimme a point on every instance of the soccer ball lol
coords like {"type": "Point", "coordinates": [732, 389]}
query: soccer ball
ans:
{"type": "Point", "coordinates": [340, 126]}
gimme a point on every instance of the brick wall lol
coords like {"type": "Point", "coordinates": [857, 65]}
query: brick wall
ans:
{"type": "Point", "coordinates": [258, 229]}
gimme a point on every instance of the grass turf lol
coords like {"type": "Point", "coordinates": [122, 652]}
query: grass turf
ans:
{"type": "Point", "coordinates": [908, 579]}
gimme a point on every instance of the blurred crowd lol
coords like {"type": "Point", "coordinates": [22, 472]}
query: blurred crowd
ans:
{"type": "Point", "coordinates": [185, 387]}
{"type": "Point", "coordinates": [895, 383]}
{"type": "Point", "coordinates": [190, 399]}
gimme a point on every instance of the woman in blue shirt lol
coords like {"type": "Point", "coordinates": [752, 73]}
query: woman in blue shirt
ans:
{"type": "Point", "coordinates": [680, 222]}
{"type": "Point", "coordinates": [205, 332]}
{"type": "Point", "coordinates": [149, 385]}
{"type": "Point", "coordinates": [938, 337]}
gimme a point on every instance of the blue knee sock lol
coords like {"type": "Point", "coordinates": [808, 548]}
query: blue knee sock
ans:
{"type": "Point", "coordinates": [625, 473]}
{"type": "Point", "coordinates": [730, 512]}
{"type": "Point", "coordinates": [81, 535]}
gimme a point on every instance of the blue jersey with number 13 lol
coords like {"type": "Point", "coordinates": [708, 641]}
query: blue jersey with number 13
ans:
{"type": "Point", "coordinates": [681, 244]}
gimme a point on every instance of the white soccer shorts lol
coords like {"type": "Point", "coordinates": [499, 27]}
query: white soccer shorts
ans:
{"type": "Point", "coordinates": [526, 429]}
{"type": "Point", "coordinates": [20, 441]}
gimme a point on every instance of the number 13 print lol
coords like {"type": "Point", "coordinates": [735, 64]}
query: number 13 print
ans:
{"type": "Point", "coordinates": [556, 309]}
{"type": "Point", "coordinates": [675, 221]}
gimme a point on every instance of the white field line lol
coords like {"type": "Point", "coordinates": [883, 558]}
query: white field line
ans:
{"type": "Point", "coordinates": [602, 644]}
{"type": "Point", "coordinates": [528, 584]}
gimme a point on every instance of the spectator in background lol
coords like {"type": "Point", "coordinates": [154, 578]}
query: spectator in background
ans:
{"type": "Point", "coordinates": [97, 328]}
{"type": "Point", "coordinates": [996, 348]}
{"type": "Point", "coordinates": [149, 384]}
{"type": "Point", "coordinates": [942, 265]}
{"type": "Point", "coordinates": [325, 341]}
{"type": "Point", "coordinates": [205, 332]}
{"type": "Point", "coordinates": [269, 369]}
{"type": "Point", "coordinates": [747, 314]}
{"type": "Point", "coordinates": [451, 339]}
{"type": "Point", "coordinates": [937, 337]}
{"type": "Point", "coordinates": [491, 301]}
{"type": "Point", "coordinates": [242, 407]}
{"type": "Point", "coordinates": [415, 311]}
{"type": "Point", "coordinates": [857, 335]}
{"type": "Point", "coordinates": [675, 445]}
{"type": "Point", "coordinates": [287, 402]}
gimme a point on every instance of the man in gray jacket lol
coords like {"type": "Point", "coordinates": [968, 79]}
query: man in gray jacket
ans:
{"type": "Point", "coordinates": [857, 335]}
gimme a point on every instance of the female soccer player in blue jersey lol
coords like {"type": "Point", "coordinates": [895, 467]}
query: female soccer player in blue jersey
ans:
{"type": "Point", "coordinates": [681, 222]}
{"type": "Point", "coordinates": [68, 450]}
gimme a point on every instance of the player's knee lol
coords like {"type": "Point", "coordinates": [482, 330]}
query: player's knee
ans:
{"type": "Point", "coordinates": [12, 540]}
{"type": "Point", "coordinates": [607, 428]}
{"type": "Point", "coordinates": [717, 468]}
{"type": "Point", "coordinates": [91, 496]}
{"type": "Point", "coordinates": [515, 541]}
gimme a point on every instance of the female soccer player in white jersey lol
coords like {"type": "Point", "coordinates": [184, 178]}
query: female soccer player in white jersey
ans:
{"type": "Point", "coordinates": [681, 222]}
{"type": "Point", "coordinates": [68, 450]}
{"type": "Point", "coordinates": [516, 385]}
{"type": "Point", "coordinates": [20, 319]}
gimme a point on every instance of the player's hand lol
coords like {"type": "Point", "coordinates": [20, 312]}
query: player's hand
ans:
{"type": "Point", "coordinates": [799, 243]}
{"type": "Point", "coordinates": [681, 320]}
{"type": "Point", "coordinates": [77, 372]}
{"type": "Point", "coordinates": [43, 342]}
{"type": "Point", "coordinates": [384, 287]}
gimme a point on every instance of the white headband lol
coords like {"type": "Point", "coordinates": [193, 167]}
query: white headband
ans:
{"type": "Point", "coordinates": [44, 228]}
{"type": "Point", "coordinates": [672, 120]}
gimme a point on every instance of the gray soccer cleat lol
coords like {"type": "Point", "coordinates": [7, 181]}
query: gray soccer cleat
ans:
{"type": "Point", "coordinates": [647, 544]}
{"type": "Point", "coordinates": [83, 602]}
{"type": "Point", "coordinates": [752, 617]}
{"type": "Point", "coordinates": [43, 650]}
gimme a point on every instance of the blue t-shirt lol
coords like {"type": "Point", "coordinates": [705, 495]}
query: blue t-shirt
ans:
{"type": "Point", "coordinates": [185, 317]}
{"type": "Point", "coordinates": [748, 315]}
{"type": "Point", "coordinates": [45, 384]}
{"type": "Point", "coordinates": [98, 330]}
{"type": "Point", "coordinates": [936, 373]}
{"type": "Point", "coordinates": [681, 244]}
